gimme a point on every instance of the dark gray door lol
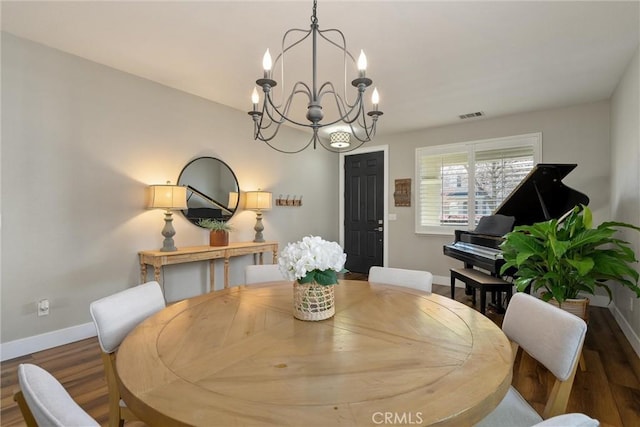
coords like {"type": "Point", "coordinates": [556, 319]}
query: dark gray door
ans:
{"type": "Point", "coordinates": [364, 210]}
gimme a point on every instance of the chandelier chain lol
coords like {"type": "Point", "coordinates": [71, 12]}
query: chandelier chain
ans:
{"type": "Point", "coordinates": [314, 18]}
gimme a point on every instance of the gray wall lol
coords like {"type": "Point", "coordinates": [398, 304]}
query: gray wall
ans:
{"type": "Point", "coordinates": [625, 184]}
{"type": "Point", "coordinates": [80, 144]}
{"type": "Point", "coordinates": [578, 134]}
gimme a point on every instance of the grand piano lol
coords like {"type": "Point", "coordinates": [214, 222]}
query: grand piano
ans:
{"type": "Point", "coordinates": [539, 197]}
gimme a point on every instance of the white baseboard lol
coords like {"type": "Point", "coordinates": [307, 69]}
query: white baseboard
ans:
{"type": "Point", "coordinates": [24, 346]}
{"type": "Point", "coordinates": [598, 300]}
{"type": "Point", "coordinates": [628, 332]}
{"type": "Point", "coordinates": [445, 281]}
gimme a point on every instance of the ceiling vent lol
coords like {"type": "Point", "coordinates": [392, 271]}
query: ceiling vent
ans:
{"type": "Point", "coordinates": [471, 115]}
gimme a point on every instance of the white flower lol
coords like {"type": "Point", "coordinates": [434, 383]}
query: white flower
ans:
{"type": "Point", "coordinates": [311, 254]}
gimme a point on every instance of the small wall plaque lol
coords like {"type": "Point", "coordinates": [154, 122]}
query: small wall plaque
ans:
{"type": "Point", "coordinates": [402, 194]}
{"type": "Point", "coordinates": [281, 201]}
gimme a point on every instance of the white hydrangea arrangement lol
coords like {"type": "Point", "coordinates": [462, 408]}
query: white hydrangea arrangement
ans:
{"type": "Point", "coordinates": [312, 259]}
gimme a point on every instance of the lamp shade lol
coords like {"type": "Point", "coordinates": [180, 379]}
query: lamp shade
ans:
{"type": "Point", "coordinates": [340, 139]}
{"type": "Point", "coordinates": [171, 197]}
{"type": "Point", "coordinates": [257, 200]}
{"type": "Point", "coordinates": [233, 200]}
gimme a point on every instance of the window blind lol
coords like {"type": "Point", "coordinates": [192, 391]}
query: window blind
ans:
{"type": "Point", "coordinates": [452, 178]}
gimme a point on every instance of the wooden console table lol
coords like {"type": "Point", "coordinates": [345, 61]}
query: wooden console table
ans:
{"type": "Point", "coordinates": [158, 259]}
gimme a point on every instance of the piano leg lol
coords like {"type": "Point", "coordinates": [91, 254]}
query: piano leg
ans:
{"type": "Point", "coordinates": [496, 300]}
{"type": "Point", "coordinates": [468, 290]}
{"type": "Point", "coordinates": [474, 279]}
{"type": "Point", "coordinates": [453, 287]}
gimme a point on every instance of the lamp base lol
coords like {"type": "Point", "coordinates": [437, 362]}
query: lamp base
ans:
{"type": "Point", "coordinates": [259, 238]}
{"type": "Point", "coordinates": [168, 232]}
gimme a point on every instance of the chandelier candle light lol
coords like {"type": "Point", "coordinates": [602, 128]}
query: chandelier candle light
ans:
{"type": "Point", "coordinates": [268, 117]}
{"type": "Point", "coordinates": [312, 264]}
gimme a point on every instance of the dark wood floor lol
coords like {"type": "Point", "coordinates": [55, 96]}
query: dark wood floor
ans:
{"type": "Point", "coordinates": [608, 390]}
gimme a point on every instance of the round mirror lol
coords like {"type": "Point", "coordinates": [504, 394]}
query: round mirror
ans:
{"type": "Point", "coordinates": [212, 189]}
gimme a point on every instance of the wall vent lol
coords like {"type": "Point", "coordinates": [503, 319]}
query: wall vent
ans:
{"type": "Point", "coordinates": [471, 115]}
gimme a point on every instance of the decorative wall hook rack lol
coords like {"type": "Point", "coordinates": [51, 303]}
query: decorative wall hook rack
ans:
{"type": "Point", "coordinates": [289, 201]}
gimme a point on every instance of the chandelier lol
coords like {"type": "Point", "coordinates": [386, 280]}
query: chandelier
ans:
{"type": "Point", "coordinates": [350, 117]}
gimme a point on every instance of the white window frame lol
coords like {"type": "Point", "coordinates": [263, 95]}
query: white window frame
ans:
{"type": "Point", "coordinates": [470, 147]}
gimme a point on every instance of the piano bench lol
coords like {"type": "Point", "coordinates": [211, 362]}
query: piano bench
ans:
{"type": "Point", "coordinates": [479, 280]}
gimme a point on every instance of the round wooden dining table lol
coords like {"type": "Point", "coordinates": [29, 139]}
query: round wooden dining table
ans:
{"type": "Point", "coordinates": [390, 355]}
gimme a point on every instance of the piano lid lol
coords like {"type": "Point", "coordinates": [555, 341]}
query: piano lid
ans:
{"type": "Point", "coordinates": [542, 196]}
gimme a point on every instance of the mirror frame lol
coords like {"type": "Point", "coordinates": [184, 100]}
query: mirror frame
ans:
{"type": "Point", "coordinates": [193, 191]}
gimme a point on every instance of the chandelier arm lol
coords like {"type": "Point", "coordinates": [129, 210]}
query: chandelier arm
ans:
{"type": "Point", "coordinates": [289, 152]}
{"type": "Point", "coordinates": [259, 124]}
{"type": "Point", "coordinates": [345, 53]}
{"type": "Point", "coordinates": [361, 120]}
{"type": "Point", "coordinates": [268, 112]}
{"type": "Point", "coordinates": [262, 137]}
{"type": "Point", "coordinates": [259, 135]}
{"type": "Point", "coordinates": [345, 116]}
{"type": "Point", "coordinates": [369, 131]}
{"type": "Point", "coordinates": [282, 114]}
{"type": "Point", "coordinates": [362, 123]}
{"type": "Point", "coordinates": [268, 101]}
{"type": "Point", "coordinates": [344, 41]}
{"type": "Point", "coordinates": [268, 124]}
{"type": "Point", "coordinates": [314, 138]}
{"type": "Point", "coordinates": [284, 39]}
{"type": "Point", "coordinates": [283, 50]}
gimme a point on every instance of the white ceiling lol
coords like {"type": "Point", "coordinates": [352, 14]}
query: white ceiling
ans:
{"type": "Point", "coordinates": [431, 61]}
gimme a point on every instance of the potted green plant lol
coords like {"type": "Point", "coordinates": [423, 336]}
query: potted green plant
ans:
{"type": "Point", "coordinates": [563, 259]}
{"type": "Point", "coordinates": [219, 231]}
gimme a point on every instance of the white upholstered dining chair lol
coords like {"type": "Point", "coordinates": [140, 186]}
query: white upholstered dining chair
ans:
{"type": "Point", "coordinates": [554, 338]}
{"type": "Point", "coordinates": [569, 420]}
{"type": "Point", "coordinates": [415, 279]}
{"type": "Point", "coordinates": [114, 317]}
{"type": "Point", "coordinates": [262, 273]}
{"type": "Point", "coordinates": [43, 401]}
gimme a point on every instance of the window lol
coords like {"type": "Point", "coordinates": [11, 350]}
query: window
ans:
{"type": "Point", "coordinates": [452, 178]}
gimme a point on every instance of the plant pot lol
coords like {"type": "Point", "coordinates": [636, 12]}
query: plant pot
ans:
{"type": "Point", "coordinates": [578, 307]}
{"type": "Point", "coordinates": [312, 301]}
{"type": "Point", "coordinates": [218, 238]}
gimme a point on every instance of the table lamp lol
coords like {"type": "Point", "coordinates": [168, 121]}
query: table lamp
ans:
{"type": "Point", "coordinates": [171, 198]}
{"type": "Point", "coordinates": [258, 201]}
{"type": "Point", "coordinates": [233, 200]}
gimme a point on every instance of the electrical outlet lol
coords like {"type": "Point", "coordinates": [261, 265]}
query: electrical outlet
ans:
{"type": "Point", "coordinates": [43, 307]}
